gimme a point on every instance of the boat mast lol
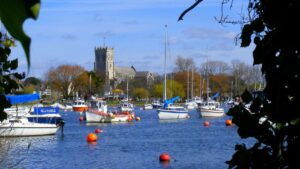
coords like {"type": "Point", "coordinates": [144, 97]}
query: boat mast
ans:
{"type": "Point", "coordinates": [127, 88]}
{"type": "Point", "coordinates": [192, 87]}
{"type": "Point", "coordinates": [187, 84]}
{"type": "Point", "coordinates": [90, 84]}
{"type": "Point", "coordinates": [165, 75]}
{"type": "Point", "coordinates": [207, 83]}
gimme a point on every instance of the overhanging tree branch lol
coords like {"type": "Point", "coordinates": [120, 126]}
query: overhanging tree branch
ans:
{"type": "Point", "coordinates": [188, 9]}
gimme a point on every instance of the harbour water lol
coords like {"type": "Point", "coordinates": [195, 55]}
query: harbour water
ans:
{"type": "Point", "coordinates": [134, 145]}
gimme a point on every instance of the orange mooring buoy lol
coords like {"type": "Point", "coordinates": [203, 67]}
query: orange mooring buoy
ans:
{"type": "Point", "coordinates": [228, 122]}
{"type": "Point", "coordinates": [164, 157]}
{"type": "Point", "coordinates": [137, 118]}
{"type": "Point", "coordinates": [98, 130]}
{"type": "Point", "coordinates": [91, 137]}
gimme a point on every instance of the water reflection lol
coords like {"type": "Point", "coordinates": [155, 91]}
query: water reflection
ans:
{"type": "Point", "coordinates": [172, 120]}
{"type": "Point", "coordinates": [165, 164]}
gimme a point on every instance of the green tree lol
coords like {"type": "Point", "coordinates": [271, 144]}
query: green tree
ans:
{"type": "Point", "coordinates": [140, 93]}
{"type": "Point", "coordinates": [97, 83]}
{"type": "Point", "coordinates": [157, 91]}
{"type": "Point", "coordinates": [29, 89]}
{"type": "Point", "coordinates": [8, 79]}
{"type": "Point", "coordinates": [32, 81]}
{"type": "Point", "coordinates": [273, 118]}
{"type": "Point", "coordinates": [174, 88]}
{"type": "Point", "coordinates": [81, 83]}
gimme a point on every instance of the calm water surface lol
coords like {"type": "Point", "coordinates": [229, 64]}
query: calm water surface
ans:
{"type": "Point", "coordinates": [126, 145]}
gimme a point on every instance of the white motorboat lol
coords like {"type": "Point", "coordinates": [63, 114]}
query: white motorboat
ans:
{"type": "Point", "coordinates": [126, 106]}
{"type": "Point", "coordinates": [79, 106]}
{"type": "Point", "coordinates": [211, 109]}
{"type": "Point", "coordinates": [148, 107]}
{"type": "Point", "coordinates": [156, 104]}
{"type": "Point", "coordinates": [117, 117]}
{"type": "Point", "coordinates": [96, 111]}
{"type": "Point", "coordinates": [108, 118]}
{"type": "Point", "coordinates": [190, 104]}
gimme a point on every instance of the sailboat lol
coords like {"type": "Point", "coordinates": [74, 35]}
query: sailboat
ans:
{"type": "Point", "coordinates": [126, 106]}
{"type": "Point", "coordinates": [169, 111]}
{"type": "Point", "coordinates": [210, 108]}
{"type": "Point", "coordinates": [190, 103]}
{"type": "Point", "coordinates": [19, 125]}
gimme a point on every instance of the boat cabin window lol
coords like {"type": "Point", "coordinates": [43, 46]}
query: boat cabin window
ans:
{"type": "Point", "coordinates": [93, 104]}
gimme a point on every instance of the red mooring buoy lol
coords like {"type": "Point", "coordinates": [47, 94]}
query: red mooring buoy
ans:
{"type": "Point", "coordinates": [91, 137]}
{"type": "Point", "coordinates": [129, 118]}
{"type": "Point", "coordinates": [98, 130]}
{"type": "Point", "coordinates": [81, 118]}
{"type": "Point", "coordinates": [164, 157]}
{"type": "Point", "coordinates": [206, 123]}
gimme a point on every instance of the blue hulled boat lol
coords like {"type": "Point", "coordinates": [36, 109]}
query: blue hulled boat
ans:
{"type": "Point", "coordinates": [45, 115]}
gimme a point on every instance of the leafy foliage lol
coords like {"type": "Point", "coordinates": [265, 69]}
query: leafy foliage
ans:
{"type": "Point", "coordinates": [97, 83]}
{"type": "Point", "coordinates": [13, 13]}
{"type": "Point", "coordinates": [140, 93]}
{"type": "Point", "coordinates": [273, 116]}
{"type": "Point", "coordinates": [67, 78]}
{"type": "Point", "coordinates": [32, 81]}
{"type": "Point", "coordinates": [276, 36]}
{"type": "Point", "coordinates": [174, 88]}
{"type": "Point", "coordinates": [8, 78]}
{"type": "Point", "coordinates": [182, 78]}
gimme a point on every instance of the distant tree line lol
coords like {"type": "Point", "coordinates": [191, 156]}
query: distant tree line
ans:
{"type": "Point", "coordinates": [185, 81]}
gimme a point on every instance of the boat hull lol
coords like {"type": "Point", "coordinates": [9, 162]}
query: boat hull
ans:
{"type": "Point", "coordinates": [169, 114]}
{"type": "Point", "coordinates": [114, 119]}
{"type": "Point", "coordinates": [211, 113]}
{"type": "Point", "coordinates": [80, 109]}
{"type": "Point", "coordinates": [92, 117]}
{"type": "Point", "coordinates": [125, 109]}
{"type": "Point", "coordinates": [148, 107]}
{"type": "Point", "coordinates": [27, 129]}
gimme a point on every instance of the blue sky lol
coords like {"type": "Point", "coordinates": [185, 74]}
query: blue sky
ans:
{"type": "Point", "coordinates": [67, 31]}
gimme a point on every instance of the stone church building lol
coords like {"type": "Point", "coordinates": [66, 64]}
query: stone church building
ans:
{"type": "Point", "coordinates": [104, 66]}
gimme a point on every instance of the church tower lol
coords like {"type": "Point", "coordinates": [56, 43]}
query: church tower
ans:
{"type": "Point", "coordinates": [104, 63]}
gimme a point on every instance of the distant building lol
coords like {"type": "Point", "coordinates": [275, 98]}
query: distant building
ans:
{"type": "Point", "coordinates": [104, 65]}
{"type": "Point", "coordinates": [145, 78]}
{"type": "Point", "coordinates": [104, 62]}
{"type": "Point", "coordinates": [124, 72]}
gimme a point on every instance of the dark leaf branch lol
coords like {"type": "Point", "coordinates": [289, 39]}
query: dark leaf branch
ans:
{"type": "Point", "coordinates": [13, 13]}
{"type": "Point", "coordinates": [188, 9]}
